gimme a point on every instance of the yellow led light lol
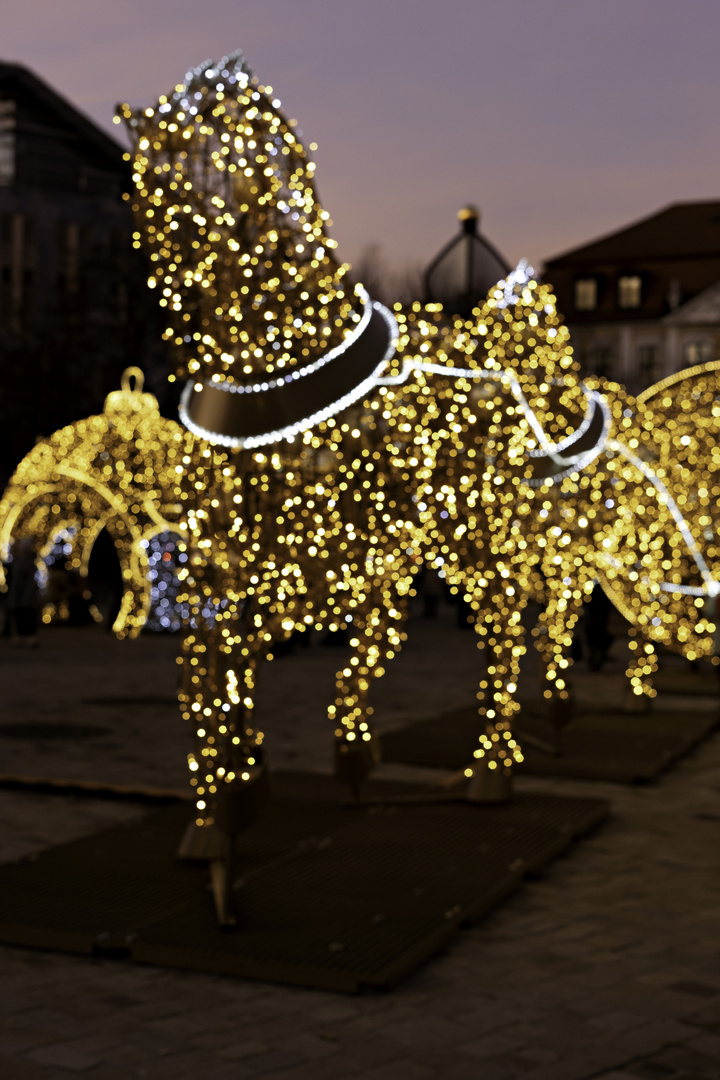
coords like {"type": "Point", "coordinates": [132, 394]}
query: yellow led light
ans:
{"type": "Point", "coordinates": [115, 471]}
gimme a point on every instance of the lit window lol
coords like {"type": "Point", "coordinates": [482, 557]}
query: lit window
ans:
{"type": "Point", "coordinates": [7, 143]}
{"type": "Point", "coordinates": [585, 294]}
{"type": "Point", "coordinates": [697, 352]}
{"type": "Point", "coordinates": [629, 291]}
{"type": "Point", "coordinates": [7, 158]}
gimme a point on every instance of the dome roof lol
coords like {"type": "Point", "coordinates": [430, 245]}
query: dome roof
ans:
{"type": "Point", "coordinates": [463, 273]}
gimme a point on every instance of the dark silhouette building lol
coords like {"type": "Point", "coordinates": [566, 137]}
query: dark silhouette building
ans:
{"type": "Point", "coordinates": [644, 301]}
{"type": "Point", "coordinates": [74, 310]}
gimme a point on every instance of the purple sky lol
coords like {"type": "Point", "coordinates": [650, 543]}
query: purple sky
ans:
{"type": "Point", "coordinates": [561, 119]}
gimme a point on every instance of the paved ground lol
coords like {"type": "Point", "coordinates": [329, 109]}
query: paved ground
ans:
{"type": "Point", "coordinates": [608, 966]}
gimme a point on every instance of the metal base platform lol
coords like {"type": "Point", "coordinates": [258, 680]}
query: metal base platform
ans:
{"type": "Point", "coordinates": [331, 894]}
{"type": "Point", "coordinates": [599, 745]}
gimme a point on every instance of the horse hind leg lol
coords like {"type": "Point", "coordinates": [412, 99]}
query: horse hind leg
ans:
{"type": "Point", "coordinates": [501, 636]}
{"type": "Point", "coordinates": [564, 592]}
{"type": "Point", "coordinates": [643, 664]}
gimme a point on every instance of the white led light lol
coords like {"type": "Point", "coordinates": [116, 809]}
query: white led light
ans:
{"type": "Point", "coordinates": [250, 442]}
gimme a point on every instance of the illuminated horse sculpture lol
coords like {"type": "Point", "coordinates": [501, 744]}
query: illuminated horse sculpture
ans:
{"type": "Point", "coordinates": [316, 476]}
{"type": "Point", "coordinates": [330, 443]}
{"type": "Point", "coordinates": [656, 551]}
{"type": "Point", "coordinates": [641, 517]}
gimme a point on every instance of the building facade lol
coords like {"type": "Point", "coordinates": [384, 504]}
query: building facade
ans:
{"type": "Point", "coordinates": [74, 310]}
{"type": "Point", "coordinates": [644, 302]}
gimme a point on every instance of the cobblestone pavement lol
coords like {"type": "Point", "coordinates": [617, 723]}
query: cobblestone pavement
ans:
{"type": "Point", "coordinates": [608, 966]}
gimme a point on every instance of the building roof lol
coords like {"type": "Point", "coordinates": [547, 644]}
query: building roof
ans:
{"type": "Point", "coordinates": [680, 231]}
{"type": "Point", "coordinates": [701, 310]}
{"type": "Point", "coordinates": [16, 81]}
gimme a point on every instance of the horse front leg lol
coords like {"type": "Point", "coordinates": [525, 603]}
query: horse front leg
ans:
{"type": "Point", "coordinates": [377, 636]}
{"type": "Point", "coordinates": [227, 766]}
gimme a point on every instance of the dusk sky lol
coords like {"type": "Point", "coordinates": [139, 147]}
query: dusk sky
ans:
{"type": "Point", "coordinates": [560, 119]}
